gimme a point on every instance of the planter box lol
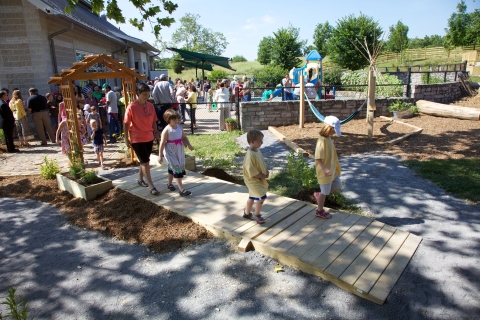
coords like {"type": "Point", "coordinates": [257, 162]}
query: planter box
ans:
{"type": "Point", "coordinates": [190, 163]}
{"type": "Point", "coordinates": [79, 191]}
{"type": "Point", "coordinates": [403, 114]}
{"type": "Point", "coordinates": [231, 126]}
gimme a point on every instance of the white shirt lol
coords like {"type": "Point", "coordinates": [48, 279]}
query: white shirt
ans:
{"type": "Point", "coordinates": [310, 91]}
{"type": "Point", "coordinates": [113, 105]}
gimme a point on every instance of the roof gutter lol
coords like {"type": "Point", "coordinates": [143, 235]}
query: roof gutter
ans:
{"type": "Point", "coordinates": [52, 46]}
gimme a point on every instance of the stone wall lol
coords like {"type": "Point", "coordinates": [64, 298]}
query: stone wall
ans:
{"type": "Point", "coordinates": [440, 92]}
{"type": "Point", "coordinates": [416, 77]}
{"type": "Point", "coordinates": [260, 115]}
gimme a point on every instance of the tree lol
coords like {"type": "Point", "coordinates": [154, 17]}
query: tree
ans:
{"type": "Point", "coordinates": [287, 48]}
{"type": "Point", "coordinates": [239, 59]}
{"type": "Point", "coordinates": [270, 74]}
{"type": "Point", "coordinates": [175, 64]}
{"type": "Point", "coordinates": [192, 36]}
{"type": "Point", "coordinates": [398, 38]}
{"type": "Point", "coordinates": [264, 54]}
{"type": "Point", "coordinates": [350, 30]}
{"type": "Point", "coordinates": [461, 28]}
{"type": "Point", "coordinates": [321, 37]}
{"type": "Point", "coordinates": [148, 12]}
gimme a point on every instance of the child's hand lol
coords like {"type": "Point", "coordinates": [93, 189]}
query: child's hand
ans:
{"type": "Point", "coordinates": [327, 172]}
{"type": "Point", "coordinates": [191, 148]}
{"type": "Point", "coordinates": [58, 141]}
{"type": "Point", "coordinates": [160, 159]}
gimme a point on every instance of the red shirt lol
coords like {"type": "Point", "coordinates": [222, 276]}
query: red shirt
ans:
{"type": "Point", "coordinates": [140, 121]}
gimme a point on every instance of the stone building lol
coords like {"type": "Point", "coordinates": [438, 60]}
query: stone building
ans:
{"type": "Point", "coordinates": [39, 39]}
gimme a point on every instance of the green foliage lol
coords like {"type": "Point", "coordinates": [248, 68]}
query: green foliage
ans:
{"type": "Point", "coordinates": [352, 29]}
{"type": "Point", "coordinates": [2, 136]}
{"type": "Point", "coordinates": [427, 42]}
{"type": "Point", "coordinates": [218, 74]}
{"type": "Point", "coordinates": [148, 12]}
{"type": "Point", "coordinates": [301, 171]}
{"type": "Point", "coordinates": [176, 65]}
{"type": "Point", "coordinates": [462, 28]}
{"type": "Point", "coordinates": [231, 120]}
{"type": "Point", "coordinates": [428, 79]}
{"type": "Point", "coordinates": [359, 79]}
{"type": "Point", "coordinates": [90, 177]}
{"type": "Point", "coordinates": [400, 105]}
{"type": "Point", "coordinates": [321, 37]}
{"type": "Point", "coordinates": [264, 53]}
{"type": "Point", "coordinates": [17, 307]}
{"type": "Point", "coordinates": [194, 37]}
{"type": "Point", "coordinates": [269, 74]}
{"type": "Point", "coordinates": [239, 59]}
{"type": "Point", "coordinates": [76, 170]}
{"type": "Point", "coordinates": [458, 176]}
{"type": "Point", "coordinates": [332, 76]}
{"type": "Point", "coordinates": [49, 168]}
{"type": "Point", "coordinates": [398, 39]}
{"type": "Point", "coordinates": [287, 48]}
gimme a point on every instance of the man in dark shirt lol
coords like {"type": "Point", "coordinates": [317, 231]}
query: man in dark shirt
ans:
{"type": "Point", "coordinates": [37, 106]}
{"type": "Point", "coordinates": [7, 121]}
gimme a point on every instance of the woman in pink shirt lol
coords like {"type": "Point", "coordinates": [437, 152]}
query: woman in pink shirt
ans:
{"type": "Point", "coordinates": [140, 131]}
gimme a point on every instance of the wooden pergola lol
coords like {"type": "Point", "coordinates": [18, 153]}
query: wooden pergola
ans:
{"type": "Point", "coordinates": [79, 71]}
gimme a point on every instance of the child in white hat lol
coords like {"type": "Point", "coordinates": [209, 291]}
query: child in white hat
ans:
{"type": "Point", "coordinates": [326, 164]}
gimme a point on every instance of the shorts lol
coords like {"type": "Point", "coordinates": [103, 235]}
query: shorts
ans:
{"type": "Point", "coordinates": [98, 148]}
{"type": "Point", "coordinates": [262, 198]}
{"type": "Point", "coordinates": [143, 151]}
{"type": "Point", "coordinates": [335, 185]}
{"type": "Point", "coordinates": [177, 174]}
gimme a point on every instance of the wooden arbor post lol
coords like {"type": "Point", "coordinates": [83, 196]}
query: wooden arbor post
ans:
{"type": "Point", "coordinates": [371, 107]}
{"type": "Point", "coordinates": [70, 103]}
{"type": "Point", "coordinates": [302, 103]}
{"type": "Point", "coordinates": [129, 92]}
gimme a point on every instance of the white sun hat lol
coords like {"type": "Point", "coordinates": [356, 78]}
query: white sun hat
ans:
{"type": "Point", "coordinates": [333, 122]}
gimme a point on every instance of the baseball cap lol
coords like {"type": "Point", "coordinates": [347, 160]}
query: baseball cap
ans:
{"type": "Point", "coordinates": [333, 122]}
{"type": "Point", "coordinates": [86, 107]}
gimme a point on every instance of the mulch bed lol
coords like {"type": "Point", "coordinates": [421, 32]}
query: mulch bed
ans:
{"type": "Point", "coordinates": [115, 213]}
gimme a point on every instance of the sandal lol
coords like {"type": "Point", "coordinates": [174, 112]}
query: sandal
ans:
{"type": "Point", "coordinates": [154, 191]}
{"type": "Point", "coordinates": [170, 187]}
{"type": "Point", "coordinates": [184, 193]}
{"type": "Point", "coordinates": [248, 216]}
{"type": "Point", "coordinates": [142, 183]}
{"type": "Point", "coordinates": [259, 219]}
{"type": "Point", "coordinates": [323, 214]}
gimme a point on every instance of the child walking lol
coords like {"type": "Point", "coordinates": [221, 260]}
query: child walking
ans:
{"type": "Point", "coordinates": [99, 140]}
{"type": "Point", "coordinates": [192, 101]}
{"type": "Point", "coordinates": [171, 147]}
{"type": "Point", "coordinates": [62, 131]}
{"type": "Point", "coordinates": [326, 164]}
{"type": "Point", "coordinates": [255, 174]}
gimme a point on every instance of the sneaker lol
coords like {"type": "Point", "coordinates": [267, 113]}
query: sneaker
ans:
{"type": "Point", "coordinates": [259, 219]}
{"type": "Point", "coordinates": [323, 214]}
{"type": "Point", "coordinates": [184, 193]}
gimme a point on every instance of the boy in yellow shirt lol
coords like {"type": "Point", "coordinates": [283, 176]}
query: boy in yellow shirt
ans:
{"type": "Point", "coordinates": [255, 174]}
{"type": "Point", "coordinates": [326, 164]}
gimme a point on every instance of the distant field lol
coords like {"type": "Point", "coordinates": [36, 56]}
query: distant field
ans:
{"type": "Point", "coordinates": [411, 57]}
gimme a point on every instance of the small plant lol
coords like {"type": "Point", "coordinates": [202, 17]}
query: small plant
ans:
{"type": "Point", "coordinates": [76, 170]}
{"type": "Point", "coordinates": [90, 177]}
{"type": "Point", "coordinates": [49, 168]}
{"type": "Point", "coordinates": [18, 309]}
{"type": "Point", "coordinates": [2, 136]}
{"type": "Point", "coordinates": [231, 121]}
{"type": "Point", "coordinates": [399, 105]}
{"type": "Point", "coordinates": [301, 171]}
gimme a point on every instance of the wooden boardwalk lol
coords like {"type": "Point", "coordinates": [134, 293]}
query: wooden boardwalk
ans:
{"type": "Point", "coordinates": [358, 254]}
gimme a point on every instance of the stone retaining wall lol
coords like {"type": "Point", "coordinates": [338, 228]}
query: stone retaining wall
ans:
{"type": "Point", "coordinates": [261, 115]}
{"type": "Point", "coordinates": [440, 92]}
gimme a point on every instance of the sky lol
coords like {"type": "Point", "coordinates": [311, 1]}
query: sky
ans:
{"type": "Point", "coordinates": [245, 23]}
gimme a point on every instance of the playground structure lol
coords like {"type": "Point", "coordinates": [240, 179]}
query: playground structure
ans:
{"type": "Point", "coordinates": [312, 70]}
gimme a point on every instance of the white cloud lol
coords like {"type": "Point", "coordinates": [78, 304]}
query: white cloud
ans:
{"type": "Point", "coordinates": [250, 25]}
{"type": "Point", "coordinates": [268, 19]}
{"type": "Point", "coordinates": [254, 24]}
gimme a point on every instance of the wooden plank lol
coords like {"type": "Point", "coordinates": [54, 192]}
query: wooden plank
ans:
{"type": "Point", "coordinates": [298, 225]}
{"type": "Point", "coordinates": [358, 266]}
{"type": "Point", "coordinates": [311, 239]}
{"type": "Point", "coordinates": [284, 224]}
{"type": "Point", "coordinates": [272, 220]}
{"type": "Point", "coordinates": [325, 239]}
{"type": "Point", "coordinates": [340, 264]}
{"type": "Point", "coordinates": [304, 232]}
{"type": "Point", "coordinates": [267, 214]}
{"type": "Point", "coordinates": [325, 259]}
{"type": "Point", "coordinates": [199, 190]}
{"type": "Point", "coordinates": [394, 270]}
{"type": "Point", "coordinates": [381, 261]}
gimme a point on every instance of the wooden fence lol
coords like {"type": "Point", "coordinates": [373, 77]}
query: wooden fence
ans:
{"type": "Point", "coordinates": [425, 53]}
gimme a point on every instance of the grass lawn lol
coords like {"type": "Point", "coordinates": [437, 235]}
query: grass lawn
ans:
{"type": "Point", "coordinates": [461, 177]}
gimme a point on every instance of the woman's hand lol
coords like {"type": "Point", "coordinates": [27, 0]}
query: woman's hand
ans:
{"type": "Point", "coordinates": [127, 142]}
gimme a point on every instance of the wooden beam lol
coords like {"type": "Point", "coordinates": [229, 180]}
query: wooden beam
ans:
{"type": "Point", "coordinates": [302, 103]}
{"type": "Point", "coordinates": [448, 111]}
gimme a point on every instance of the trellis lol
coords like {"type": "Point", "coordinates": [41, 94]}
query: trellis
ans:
{"type": "Point", "coordinates": [79, 71]}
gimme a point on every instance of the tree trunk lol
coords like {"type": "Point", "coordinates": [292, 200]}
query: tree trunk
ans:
{"type": "Point", "coordinates": [448, 111]}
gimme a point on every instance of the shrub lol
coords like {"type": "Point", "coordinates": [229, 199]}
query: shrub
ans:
{"type": "Point", "coordinates": [269, 74]}
{"type": "Point", "coordinates": [429, 79]}
{"type": "Point", "coordinates": [239, 59]}
{"type": "Point", "coordinates": [49, 168]}
{"type": "Point", "coordinates": [218, 74]}
{"type": "Point", "coordinates": [332, 76]}
{"type": "Point", "coordinates": [301, 171]}
{"type": "Point", "coordinates": [90, 177]}
{"type": "Point", "coordinates": [358, 81]}
{"type": "Point", "coordinates": [399, 105]}
{"type": "Point", "coordinates": [17, 307]}
{"type": "Point", "coordinates": [231, 120]}
{"type": "Point", "coordinates": [76, 170]}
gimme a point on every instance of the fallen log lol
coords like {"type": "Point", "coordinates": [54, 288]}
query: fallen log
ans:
{"type": "Point", "coordinates": [448, 111]}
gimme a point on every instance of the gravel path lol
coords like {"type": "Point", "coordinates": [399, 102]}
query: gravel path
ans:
{"type": "Point", "coordinates": [69, 273]}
